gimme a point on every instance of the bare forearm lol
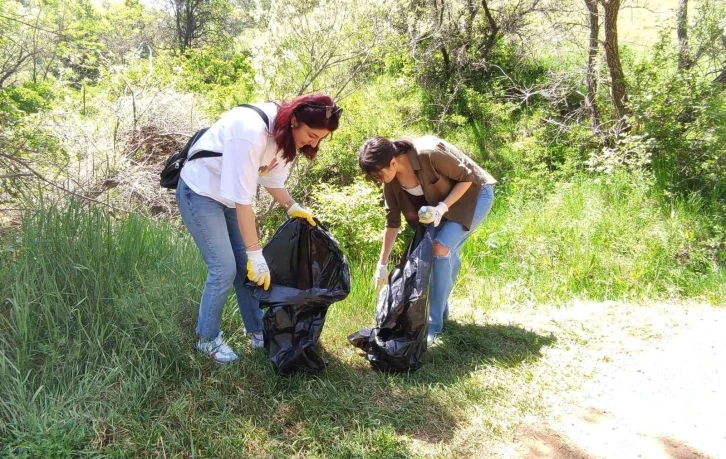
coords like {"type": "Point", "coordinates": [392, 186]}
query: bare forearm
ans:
{"type": "Point", "coordinates": [248, 226]}
{"type": "Point", "coordinates": [282, 196]}
{"type": "Point", "coordinates": [456, 193]}
{"type": "Point", "coordinates": [389, 237]}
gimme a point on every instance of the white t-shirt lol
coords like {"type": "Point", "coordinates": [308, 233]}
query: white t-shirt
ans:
{"type": "Point", "coordinates": [249, 156]}
{"type": "Point", "coordinates": [415, 191]}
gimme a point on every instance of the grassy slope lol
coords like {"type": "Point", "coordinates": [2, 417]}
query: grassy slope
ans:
{"type": "Point", "coordinates": [97, 318]}
{"type": "Point", "coordinates": [97, 332]}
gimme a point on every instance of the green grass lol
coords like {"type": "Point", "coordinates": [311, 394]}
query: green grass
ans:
{"type": "Point", "coordinates": [97, 318]}
{"type": "Point", "coordinates": [607, 238]}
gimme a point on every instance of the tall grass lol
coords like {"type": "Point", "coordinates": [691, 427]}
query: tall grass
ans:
{"type": "Point", "coordinates": [89, 323]}
{"type": "Point", "coordinates": [595, 238]}
{"type": "Point", "coordinates": [96, 359]}
{"type": "Point", "coordinates": [97, 328]}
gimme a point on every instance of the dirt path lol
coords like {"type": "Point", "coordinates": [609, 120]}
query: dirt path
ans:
{"type": "Point", "coordinates": [658, 388]}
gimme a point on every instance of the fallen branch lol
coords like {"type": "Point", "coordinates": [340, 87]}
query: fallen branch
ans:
{"type": "Point", "coordinates": [41, 177]}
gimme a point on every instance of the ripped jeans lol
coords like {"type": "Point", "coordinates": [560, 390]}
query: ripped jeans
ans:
{"type": "Point", "coordinates": [445, 269]}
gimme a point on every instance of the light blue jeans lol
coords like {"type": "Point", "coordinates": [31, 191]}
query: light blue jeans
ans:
{"type": "Point", "coordinates": [445, 268]}
{"type": "Point", "coordinates": [214, 228]}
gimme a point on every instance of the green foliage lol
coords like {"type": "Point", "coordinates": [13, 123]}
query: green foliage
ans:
{"type": "Point", "coordinates": [225, 78]}
{"type": "Point", "coordinates": [200, 23]}
{"type": "Point", "coordinates": [681, 118]}
{"type": "Point", "coordinates": [354, 214]}
{"type": "Point", "coordinates": [320, 46]}
{"type": "Point", "coordinates": [599, 238]}
{"type": "Point", "coordinates": [489, 119]}
{"type": "Point", "coordinates": [80, 48]}
{"type": "Point", "coordinates": [25, 139]}
{"type": "Point", "coordinates": [26, 99]}
{"type": "Point", "coordinates": [527, 154]}
{"type": "Point", "coordinates": [129, 31]}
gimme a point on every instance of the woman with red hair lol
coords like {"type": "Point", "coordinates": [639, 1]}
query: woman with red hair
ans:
{"type": "Point", "coordinates": [258, 144]}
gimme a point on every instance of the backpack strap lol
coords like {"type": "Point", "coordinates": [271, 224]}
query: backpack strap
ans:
{"type": "Point", "coordinates": [259, 111]}
{"type": "Point", "coordinates": [200, 154]}
{"type": "Point", "coordinates": [212, 154]}
{"type": "Point", "coordinates": [204, 154]}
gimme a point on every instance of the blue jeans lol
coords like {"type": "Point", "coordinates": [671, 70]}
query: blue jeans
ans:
{"type": "Point", "coordinates": [214, 228]}
{"type": "Point", "coordinates": [445, 268]}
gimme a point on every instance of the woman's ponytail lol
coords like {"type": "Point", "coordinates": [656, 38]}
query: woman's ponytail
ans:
{"type": "Point", "coordinates": [402, 146]}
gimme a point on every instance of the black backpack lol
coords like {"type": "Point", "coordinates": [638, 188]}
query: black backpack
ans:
{"type": "Point", "coordinates": [169, 176]}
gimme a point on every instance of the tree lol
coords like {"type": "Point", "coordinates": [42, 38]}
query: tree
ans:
{"type": "Point", "coordinates": [319, 46]}
{"type": "Point", "coordinates": [592, 53]}
{"type": "Point", "coordinates": [453, 42]}
{"type": "Point", "coordinates": [707, 37]}
{"type": "Point", "coordinates": [198, 22]}
{"type": "Point", "coordinates": [685, 62]}
{"type": "Point", "coordinates": [42, 39]}
{"type": "Point", "coordinates": [16, 43]}
{"type": "Point", "coordinates": [191, 18]}
{"type": "Point", "coordinates": [129, 31]}
{"type": "Point", "coordinates": [618, 92]}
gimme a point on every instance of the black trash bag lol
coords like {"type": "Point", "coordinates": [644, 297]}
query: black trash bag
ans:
{"type": "Point", "coordinates": [309, 273]}
{"type": "Point", "coordinates": [398, 341]}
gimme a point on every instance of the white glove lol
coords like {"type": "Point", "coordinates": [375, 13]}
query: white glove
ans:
{"type": "Point", "coordinates": [430, 214]}
{"type": "Point", "coordinates": [296, 211]}
{"type": "Point", "coordinates": [257, 270]}
{"type": "Point", "coordinates": [381, 277]}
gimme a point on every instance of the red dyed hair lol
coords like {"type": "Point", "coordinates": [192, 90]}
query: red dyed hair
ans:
{"type": "Point", "coordinates": [311, 110]}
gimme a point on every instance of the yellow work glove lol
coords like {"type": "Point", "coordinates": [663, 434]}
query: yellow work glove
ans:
{"type": "Point", "coordinates": [295, 211]}
{"type": "Point", "coordinates": [381, 277]}
{"type": "Point", "coordinates": [257, 270]}
{"type": "Point", "coordinates": [431, 214]}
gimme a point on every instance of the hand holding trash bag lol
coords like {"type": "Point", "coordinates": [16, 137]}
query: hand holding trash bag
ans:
{"type": "Point", "coordinates": [257, 270]}
{"type": "Point", "coordinates": [309, 273]}
{"type": "Point", "coordinates": [398, 341]}
{"type": "Point", "coordinates": [381, 277]}
{"type": "Point", "coordinates": [296, 211]}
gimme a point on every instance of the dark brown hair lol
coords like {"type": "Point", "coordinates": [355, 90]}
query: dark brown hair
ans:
{"type": "Point", "coordinates": [316, 110]}
{"type": "Point", "coordinates": [377, 152]}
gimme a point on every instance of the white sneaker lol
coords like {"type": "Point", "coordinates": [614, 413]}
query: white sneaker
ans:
{"type": "Point", "coordinates": [217, 349]}
{"type": "Point", "coordinates": [257, 341]}
{"type": "Point", "coordinates": [432, 340]}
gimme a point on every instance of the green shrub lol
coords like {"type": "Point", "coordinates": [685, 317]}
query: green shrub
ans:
{"type": "Point", "coordinates": [354, 214]}
{"type": "Point", "coordinates": [27, 98]}
{"type": "Point", "coordinates": [681, 120]}
{"type": "Point", "coordinates": [685, 118]}
{"type": "Point", "coordinates": [225, 78]}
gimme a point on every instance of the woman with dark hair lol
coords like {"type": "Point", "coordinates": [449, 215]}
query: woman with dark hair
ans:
{"type": "Point", "coordinates": [215, 194]}
{"type": "Point", "coordinates": [430, 181]}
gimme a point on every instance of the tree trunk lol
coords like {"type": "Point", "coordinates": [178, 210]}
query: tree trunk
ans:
{"type": "Point", "coordinates": [491, 38]}
{"type": "Point", "coordinates": [590, 103]}
{"type": "Point", "coordinates": [612, 55]}
{"type": "Point", "coordinates": [685, 62]}
{"type": "Point", "coordinates": [721, 78]}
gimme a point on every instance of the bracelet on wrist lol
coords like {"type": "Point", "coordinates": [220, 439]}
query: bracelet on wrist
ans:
{"type": "Point", "coordinates": [288, 204]}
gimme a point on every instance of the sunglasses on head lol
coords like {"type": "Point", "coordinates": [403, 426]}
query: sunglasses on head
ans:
{"type": "Point", "coordinates": [330, 110]}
